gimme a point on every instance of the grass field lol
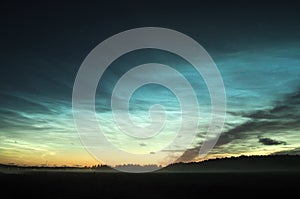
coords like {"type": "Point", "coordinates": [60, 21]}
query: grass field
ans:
{"type": "Point", "coordinates": [240, 177]}
{"type": "Point", "coordinates": [149, 185]}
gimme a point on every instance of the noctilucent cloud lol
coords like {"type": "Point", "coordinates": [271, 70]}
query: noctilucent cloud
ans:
{"type": "Point", "coordinates": [257, 50]}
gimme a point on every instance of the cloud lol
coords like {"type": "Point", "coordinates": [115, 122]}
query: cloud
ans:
{"type": "Point", "coordinates": [269, 141]}
{"type": "Point", "coordinates": [189, 155]}
{"type": "Point", "coordinates": [295, 151]}
{"type": "Point", "coordinates": [283, 116]}
{"type": "Point", "coordinates": [11, 101]}
{"type": "Point", "coordinates": [30, 114]}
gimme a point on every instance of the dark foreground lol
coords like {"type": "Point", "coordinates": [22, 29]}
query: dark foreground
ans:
{"type": "Point", "coordinates": [151, 185]}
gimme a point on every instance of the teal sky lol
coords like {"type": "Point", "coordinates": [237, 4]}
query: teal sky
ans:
{"type": "Point", "coordinates": [256, 50]}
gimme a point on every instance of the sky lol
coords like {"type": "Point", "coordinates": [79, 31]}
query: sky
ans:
{"type": "Point", "coordinates": [255, 46]}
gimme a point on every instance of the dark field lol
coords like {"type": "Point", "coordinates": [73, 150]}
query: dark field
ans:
{"type": "Point", "coordinates": [151, 185]}
{"type": "Point", "coordinates": [241, 177]}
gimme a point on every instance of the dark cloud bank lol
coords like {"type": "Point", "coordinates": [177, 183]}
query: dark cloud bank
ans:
{"type": "Point", "coordinates": [269, 141]}
{"type": "Point", "coordinates": [285, 115]}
